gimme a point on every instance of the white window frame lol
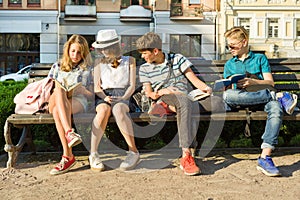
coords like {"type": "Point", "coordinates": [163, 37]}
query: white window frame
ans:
{"type": "Point", "coordinates": [248, 24]}
{"type": "Point", "coordinates": [194, 1]}
{"type": "Point", "coordinates": [247, 1]}
{"type": "Point", "coordinates": [274, 26]}
{"type": "Point", "coordinates": [297, 20]}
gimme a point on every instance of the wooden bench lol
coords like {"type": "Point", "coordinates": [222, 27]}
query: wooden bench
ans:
{"type": "Point", "coordinates": [286, 75]}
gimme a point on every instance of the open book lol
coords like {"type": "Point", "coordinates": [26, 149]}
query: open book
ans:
{"type": "Point", "coordinates": [196, 95]}
{"type": "Point", "coordinates": [219, 84]}
{"type": "Point", "coordinates": [68, 88]}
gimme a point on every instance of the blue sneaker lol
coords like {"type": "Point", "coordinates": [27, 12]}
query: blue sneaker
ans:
{"type": "Point", "coordinates": [288, 102]}
{"type": "Point", "coordinates": [267, 166]}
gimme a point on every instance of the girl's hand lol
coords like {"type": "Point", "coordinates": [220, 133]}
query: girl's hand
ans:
{"type": "Point", "coordinates": [108, 99]}
{"type": "Point", "coordinates": [115, 99]}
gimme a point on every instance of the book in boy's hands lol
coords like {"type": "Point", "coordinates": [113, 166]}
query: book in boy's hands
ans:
{"type": "Point", "coordinates": [68, 88]}
{"type": "Point", "coordinates": [220, 84]}
{"type": "Point", "coordinates": [196, 95]}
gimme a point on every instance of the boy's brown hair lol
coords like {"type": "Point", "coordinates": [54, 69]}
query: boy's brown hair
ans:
{"type": "Point", "coordinates": [237, 32]}
{"type": "Point", "coordinates": [148, 42]}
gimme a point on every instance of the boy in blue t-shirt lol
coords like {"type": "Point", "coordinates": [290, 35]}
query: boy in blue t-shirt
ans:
{"type": "Point", "coordinates": [258, 69]}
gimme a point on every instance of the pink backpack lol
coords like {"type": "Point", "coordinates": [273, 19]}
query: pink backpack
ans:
{"type": "Point", "coordinates": [34, 97]}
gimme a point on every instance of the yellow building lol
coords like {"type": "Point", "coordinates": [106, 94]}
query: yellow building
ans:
{"type": "Point", "coordinates": [273, 25]}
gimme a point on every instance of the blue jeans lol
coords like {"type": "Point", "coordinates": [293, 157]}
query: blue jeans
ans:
{"type": "Point", "coordinates": [235, 98]}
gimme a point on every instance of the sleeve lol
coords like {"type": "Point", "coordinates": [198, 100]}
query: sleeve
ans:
{"type": "Point", "coordinates": [227, 73]}
{"type": "Point", "coordinates": [86, 77]}
{"type": "Point", "coordinates": [265, 66]}
{"type": "Point", "coordinates": [53, 71]}
{"type": "Point", "coordinates": [143, 75]}
{"type": "Point", "coordinates": [182, 62]}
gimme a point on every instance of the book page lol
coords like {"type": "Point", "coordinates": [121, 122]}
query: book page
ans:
{"type": "Point", "coordinates": [196, 95]}
{"type": "Point", "coordinates": [66, 87]}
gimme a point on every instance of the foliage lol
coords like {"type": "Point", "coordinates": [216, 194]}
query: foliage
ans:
{"type": "Point", "coordinates": [8, 90]}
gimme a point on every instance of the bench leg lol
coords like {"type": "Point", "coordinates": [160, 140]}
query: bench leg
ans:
{"type": "Point", "coordinates": [13, 150]}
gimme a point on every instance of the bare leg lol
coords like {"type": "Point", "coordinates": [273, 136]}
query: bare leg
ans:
{"type": "Point", "coordinates": [99, 125]}
{"type": "Point", "coordinates": [61, 108]}
{"type": "Point", "coordinates": [120, 112]}
{"type": "Point", "coordinates": [61, 132]}
{"type": "Point", "coordinates": [266, 152]}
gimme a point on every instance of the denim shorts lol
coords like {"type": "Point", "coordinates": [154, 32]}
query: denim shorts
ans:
{"type": "Point", "coordinates": [111, 92]}
{"type": "Point", "coordinates": [82, 100]}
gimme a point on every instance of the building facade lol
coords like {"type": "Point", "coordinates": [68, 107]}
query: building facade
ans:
{"type": "Point", "coordinates": [273, 25]}
{"type": "Point", "coordinates": [36, 30]}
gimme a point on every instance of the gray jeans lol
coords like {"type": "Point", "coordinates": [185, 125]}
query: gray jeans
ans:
{"type": "Point", "coordinates": [187, 127]}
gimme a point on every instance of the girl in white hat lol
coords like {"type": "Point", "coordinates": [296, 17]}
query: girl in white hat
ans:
{"type": "Point", "coordinates": [114, 79]}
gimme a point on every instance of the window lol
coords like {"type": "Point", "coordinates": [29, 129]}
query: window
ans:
{"type": "Point", "coordinates": [247, 1]}
{"type": "Point", "coordinates": [15, 2]}
{"type": "Point", "coordinates": [18, 50]}
{"type": "Point", "coordinates": [275, 1]}
{"type": "Point", "coordinates": [129, 49]}
{"type": "Point", "coordinates": [127, 3]}
{"type": "Point", "coordinates": [81, 2]}
{"type": "Point", "coordinates": [187, 45]}
{"type": "Point", "coordinates": [298, 28]}
{"type": "Point", "coordinates": [195, 1]}
{"type": "Point", "coordinates": [245, 22]}
{"type": "Point", "coordinates": [34, 2]}
{"type": "Point", "coordinates": [273, 28]}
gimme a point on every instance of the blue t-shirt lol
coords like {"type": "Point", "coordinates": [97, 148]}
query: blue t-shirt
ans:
{"type": "Point", "coordinates": [255, 63]}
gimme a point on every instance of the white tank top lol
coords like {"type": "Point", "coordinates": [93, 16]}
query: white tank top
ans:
{"type": "Point", "coordinates": [115, 77]}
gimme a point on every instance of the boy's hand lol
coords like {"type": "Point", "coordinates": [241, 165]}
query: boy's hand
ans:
{"type": "Point", "coordinates": [246, 82]}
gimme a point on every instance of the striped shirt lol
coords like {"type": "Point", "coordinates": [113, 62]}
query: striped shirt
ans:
{"type": "Point", "coordinates": [158, 73]}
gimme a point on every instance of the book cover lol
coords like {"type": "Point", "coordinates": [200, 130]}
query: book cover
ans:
{"type": "Point", "coordinates": [220, 84]}
{"type": "Point", "coordinates": [196, 95]}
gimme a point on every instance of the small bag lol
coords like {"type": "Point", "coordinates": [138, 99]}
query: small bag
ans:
{"type": "Point", "coordinates": [139, 102]}
{"type": "Point", "coordinates": [160, 108]}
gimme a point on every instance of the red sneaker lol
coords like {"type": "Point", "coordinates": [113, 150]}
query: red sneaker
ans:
{"type": "Point", "coordinates": [188, 165]}
{"type": "Point", "coordinates": [73, 138]}
{"type": "Point", "coordinates": [63, 166]}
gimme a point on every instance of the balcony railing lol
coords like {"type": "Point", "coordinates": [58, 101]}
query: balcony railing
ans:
{"type": "Point", "coordinates": [183, 11]}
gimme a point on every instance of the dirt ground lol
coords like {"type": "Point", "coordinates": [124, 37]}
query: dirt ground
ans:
{"type": "Point", "coordinates": [226, 174]}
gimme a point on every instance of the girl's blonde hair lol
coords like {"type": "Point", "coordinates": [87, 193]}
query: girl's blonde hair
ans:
{"type": "Point", "coordinates": [66, 62]}
{"type": "Point", "coordinates": [237, 32]}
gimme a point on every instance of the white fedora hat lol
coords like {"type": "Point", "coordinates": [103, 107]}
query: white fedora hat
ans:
{"type": "Point", "coordinates": [106, 38]}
